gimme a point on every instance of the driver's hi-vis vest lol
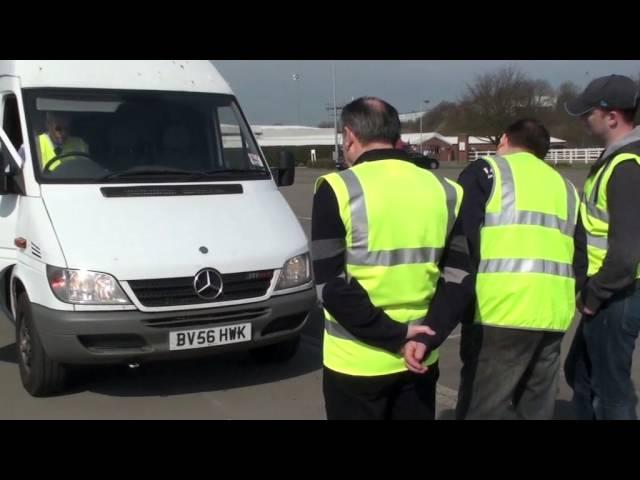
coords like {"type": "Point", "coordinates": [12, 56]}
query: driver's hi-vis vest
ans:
{"type": "Point", "coordinates": [397, 219]}
{"type": "Point", "coordinates": [47, 150]}
{"type": "Point", "coordinates": [525, 277]}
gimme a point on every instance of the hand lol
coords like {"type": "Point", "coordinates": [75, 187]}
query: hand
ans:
{"type": "Point", "coordinates": [414, 353]}
{"type": "Point", "coordinates": [582, 308]}
{"type": "Point", "coordinates": [586, 311]}
{"type": "Point", "coordinates": [414, 330]}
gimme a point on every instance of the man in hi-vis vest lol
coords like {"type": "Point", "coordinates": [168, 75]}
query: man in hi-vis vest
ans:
{"type": "Point", "coordinates": [519, 216]}
{"type": "Point", "coordinates": [380, 234]}
{"type": "Point", "coordinates": [598, 366]}
{"type": "Point", "coordinates": [57, 143]}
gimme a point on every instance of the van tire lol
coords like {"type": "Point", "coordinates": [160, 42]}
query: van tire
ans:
{"type": "Point", "coordinates": [41, 376]}
{"type": "Point", "coordinates": [278, 352]}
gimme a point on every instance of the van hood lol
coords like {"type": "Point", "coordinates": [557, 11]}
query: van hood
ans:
{"type": "Point", "coordinates": [147, 237]}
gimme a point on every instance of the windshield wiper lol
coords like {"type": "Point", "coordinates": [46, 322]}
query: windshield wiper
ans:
{"type": "Point", "coordinates": [190, 174]}
{"type": "Point", "coordinates": [229, 172]}
{"type": "Point", "coordinates": [142, 171]}
{"type": "Point", "coordinates": [234, 170]}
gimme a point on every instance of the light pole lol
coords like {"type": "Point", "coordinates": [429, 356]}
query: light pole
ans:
{"type": "Point", "coordinates": [296, 78]}
{"type": "Point", "coordinates": [335, 113]}
{"type": "Point", "coordinates": [421, 115]}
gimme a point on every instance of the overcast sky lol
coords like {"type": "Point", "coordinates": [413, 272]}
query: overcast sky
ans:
{"type": "Point", "coordinates": [269, 94]}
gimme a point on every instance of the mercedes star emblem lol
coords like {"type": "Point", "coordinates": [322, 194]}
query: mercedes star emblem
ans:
{"type": "Point", "coordinates": [208, 284]}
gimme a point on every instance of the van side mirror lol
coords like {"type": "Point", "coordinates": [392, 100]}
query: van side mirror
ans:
{"type": "Point", "coordinates": [286, 170]}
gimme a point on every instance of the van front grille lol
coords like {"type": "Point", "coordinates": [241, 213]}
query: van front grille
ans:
{"type": "Point", "coordinates": [170, 292]}
{"type": "Point", "coordinates": [209, 318]}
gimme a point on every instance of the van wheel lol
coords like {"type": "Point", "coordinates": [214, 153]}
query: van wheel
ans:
{"type": "Point", "coordinates": [278, 352]}
{"type": "Point", "coordinates": [40, 375]}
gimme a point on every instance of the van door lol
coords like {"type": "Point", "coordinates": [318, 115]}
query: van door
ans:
{"type": "Point", "coordinates": [12, 128]}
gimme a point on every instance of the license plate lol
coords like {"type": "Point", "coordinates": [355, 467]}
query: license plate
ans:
{"type": "Point", "coordinates": [209, 337]}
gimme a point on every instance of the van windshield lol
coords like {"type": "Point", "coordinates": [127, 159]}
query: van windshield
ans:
{"type": "Point", "coordinates": [131, 137]}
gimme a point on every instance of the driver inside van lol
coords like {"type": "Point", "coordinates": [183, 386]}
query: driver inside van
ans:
{"type": "Point", "coordinates": [57, 142]}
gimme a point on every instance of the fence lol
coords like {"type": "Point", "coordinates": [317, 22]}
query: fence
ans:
{"type": "Point", "coordinates": [556, 155]}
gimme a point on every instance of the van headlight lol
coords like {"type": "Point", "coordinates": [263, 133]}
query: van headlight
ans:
{"type": "Point", "coordinates": [85, 288]}
{"type": "Point", "coordinates": [295, 272]}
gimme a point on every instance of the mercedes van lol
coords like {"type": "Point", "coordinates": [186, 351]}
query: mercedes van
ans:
{"type": "Point", "coordinates": [139, 220]}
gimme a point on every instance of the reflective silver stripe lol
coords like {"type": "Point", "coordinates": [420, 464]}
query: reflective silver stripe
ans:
{"type": "Point", "coordinates": [359, 222]}
{"type": "Point", "coordinates": [524, 265]}
{"type": "Point", "coordinates": [359, 254]}
{"type": "Point", "coordinates": [508, 186]}
{"type": "Point", "coordinates": [336, 330]}
{"type": "Point", "coordinates": [389, 258]}
{"type": "Point", "coordinates": [525, 217]}
{"type": "Point", "coordinates": [595, 212]}
{"type": "Point", "coordinates": [458, 243]}
{"type": "Point", "coordinates": [320, 286]}
{"type": "Point", "coordinates": [572, 209]}
{"type": "Point", "coordinates": [452, 199]}
{"type": "Point", "coordinates": [598, 242]}
{"type": "Point", "coordinates": [454, 275]}
{"type": "Point", "coordinates": [508, 214]}
{"type": "Point", "coordinates": [327, 248]}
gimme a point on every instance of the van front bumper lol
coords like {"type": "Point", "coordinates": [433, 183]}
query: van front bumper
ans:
{"type": "Point", "coordinates": [85, 338]}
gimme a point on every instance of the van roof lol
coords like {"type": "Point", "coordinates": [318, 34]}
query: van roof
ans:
{"type": "Point", "coordinates": [167, 75]}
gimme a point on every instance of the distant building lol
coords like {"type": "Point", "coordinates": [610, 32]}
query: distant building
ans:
{"type": "Point", "coordinates": [306, 143]}
{"type": "Point", "coordinates": [293, 135]}
{"type": "Point", "coordinates": [457, 147]}
{"type": "Point", "coordinates": [303, 139]}
{"type": "Point", "coordinates": [411, 117]}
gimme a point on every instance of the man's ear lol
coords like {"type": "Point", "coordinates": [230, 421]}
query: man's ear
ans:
{"type": "Point", "coordinates": [348, 138]}
{"type": "Point", "coordinates": [504, 142]}
{"type": "Point", "coordinates": [613, 118]}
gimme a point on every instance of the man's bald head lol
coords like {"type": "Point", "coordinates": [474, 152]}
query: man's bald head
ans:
{"type": "Point", "coordinates": [58, 124]}
{"type": "Point", "coordinates": [371, 119]}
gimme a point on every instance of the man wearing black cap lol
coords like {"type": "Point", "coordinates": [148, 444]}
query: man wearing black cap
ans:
{"type": "Point", "coordinates": [598, 367]}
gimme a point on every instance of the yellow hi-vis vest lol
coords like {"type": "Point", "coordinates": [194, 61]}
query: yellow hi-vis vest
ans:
{"type": "Point", "coordinates": [47, 150]}
{"type": "Point", "coordinates": [525, 277]}
{"type": "Point", "coordinates": [397, 218]}
{"type": "Point", "coordinates": [594, 210]}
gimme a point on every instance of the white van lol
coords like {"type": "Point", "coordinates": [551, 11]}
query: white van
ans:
{"type": "Point", "coordinates": [140, 221]}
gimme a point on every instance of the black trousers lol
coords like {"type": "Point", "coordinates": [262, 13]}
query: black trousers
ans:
{"type": "Point", "coordinates": [399, 396]}
{"type": "Point", "coordinates": [508, 373]}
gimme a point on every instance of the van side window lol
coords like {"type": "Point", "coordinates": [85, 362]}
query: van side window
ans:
{"type": "Point", "coordinates": [237, 152]}
{"type": "Point", "coordinates": [11, 121]}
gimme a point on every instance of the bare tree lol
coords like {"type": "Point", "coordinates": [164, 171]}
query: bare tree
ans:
{"type": "Point", "coordinates": [438, 118]}
{"type": "Point", "coordinates": [496, 99]}
{"type": "Point", "coordinates": [564, 125]}
{"type": "Point", "coordinates": [567, 91]}
{"type": "Point", "coordinates": [435, 120]}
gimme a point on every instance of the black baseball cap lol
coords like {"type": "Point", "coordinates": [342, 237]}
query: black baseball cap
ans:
{"type": "Point", "coordinates": [611, 92]}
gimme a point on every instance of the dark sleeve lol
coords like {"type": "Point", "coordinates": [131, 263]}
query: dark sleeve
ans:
{"type": "Point", "coordinates": [620, 265]}
{"type": "Point", "coordinates": [347, 301]}
{"type": "Point", "coordinates": [477, 182]}
{"type": "Point", "coordinates": [455, 292]}
{"type": "Point", "coordinates": [580, 257]}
